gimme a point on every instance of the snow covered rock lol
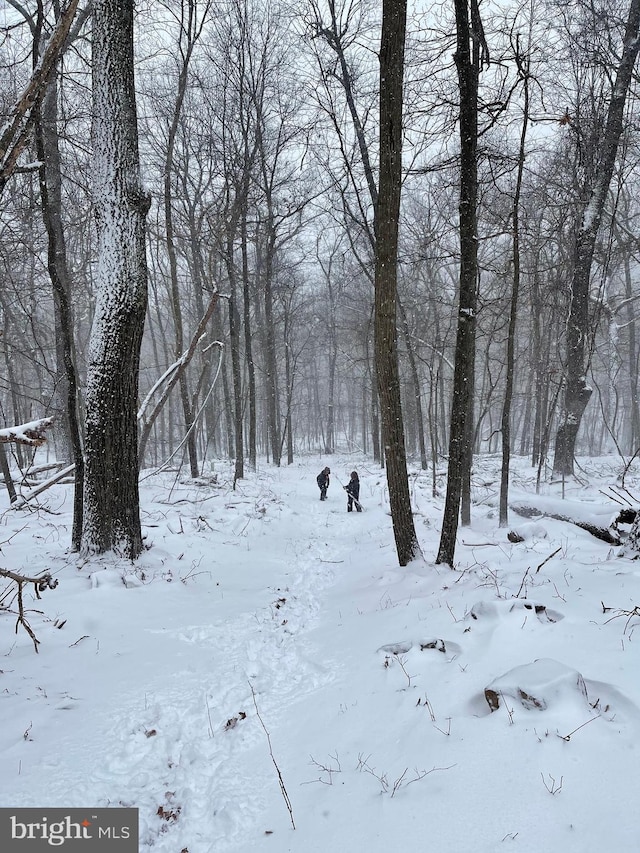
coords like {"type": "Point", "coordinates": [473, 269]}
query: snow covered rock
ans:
{"type": "Point", "coordinates": [490, 610]}
{"type": "Point", "coordinates": [526, 532]}
{"type": "Point", "coordinates": [536, 685]}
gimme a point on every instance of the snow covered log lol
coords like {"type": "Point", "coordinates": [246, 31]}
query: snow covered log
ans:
{"type": "Point", "coordinates": [536, 685]}
{"type": "Point", "coordinates": [610, 534]}
{"type": "Point", "coordinates": [32, 433]}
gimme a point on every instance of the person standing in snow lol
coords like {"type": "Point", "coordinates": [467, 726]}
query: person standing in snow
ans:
{"type": "Point", "coordinates": [323, 482]}
{"type": "Point", "coordinates": [353, 492]}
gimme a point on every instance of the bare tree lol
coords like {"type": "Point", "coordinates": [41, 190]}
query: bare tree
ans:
{"type": "Point", "coordinates": [469, 47]}
{"type": "Point", "coordinates": [111, 498]}
{"type": "Point", "coordinates": [191, 20]}
{"type": "Point", "coordinates": [524, 73]}
{"type": "Point", "coordinates": [387, 215]}
{"type": "Point", "coordinates": [45, 121]}
{"type": "Point", "coordinates": [14, 135]}
{"type": "Point", "coordinates": [577, 391]}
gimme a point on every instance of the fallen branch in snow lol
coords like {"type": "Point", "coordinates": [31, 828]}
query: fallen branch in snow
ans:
{"type": "Point", "coordinates": [283, 790]}
{"type": "Point", "coordinates": [23, 499]}
{"type": "Point", "coordinates": [40, 583]}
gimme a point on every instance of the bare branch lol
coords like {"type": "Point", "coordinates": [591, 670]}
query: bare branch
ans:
{"type": "Point", "coordinates": [14, 134]}
{"type": "Point", "coordinates": [45, 581]}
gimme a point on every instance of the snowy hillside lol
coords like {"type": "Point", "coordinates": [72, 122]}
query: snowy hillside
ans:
{"type": "Point", "coordinates": [264, 632]}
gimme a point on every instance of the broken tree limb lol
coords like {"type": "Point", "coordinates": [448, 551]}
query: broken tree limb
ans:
{"type": "Point", "coordinates": [23, 499]}
{"type": "Point", "coordinates": [31, 433]}
{"type": "Point", "coordinates": [40, 584]}
{"type": "Point", "coordinates": [172, 375]}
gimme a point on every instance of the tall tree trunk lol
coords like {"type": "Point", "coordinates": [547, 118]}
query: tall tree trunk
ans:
{"type": "Point", "coordinates": [50, 177]}
{"type": "Point", "coordinates": [111, 497]}
{"type": "Point", "coordinates": [467, 59]}
{"type": "Point", "coordinates": [387, 214]}
{"type": "Point", "coordinates": [248, 341]}
{"type": "Point", "coordinates": [577, 391]}
{"type": "Point", "coordinates": [236, 370]}
{"type": "Point", "coordinates": [271, 365]}
{"type": "Point", "coordinates": [190, 32]}
{"type": "Point", "coordinates": [632, 363]}
{"type": "Point", "coordinates": [523, 69]}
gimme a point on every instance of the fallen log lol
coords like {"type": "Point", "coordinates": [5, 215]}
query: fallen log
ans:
{"type": "Point", "coordinates": [611, 535]}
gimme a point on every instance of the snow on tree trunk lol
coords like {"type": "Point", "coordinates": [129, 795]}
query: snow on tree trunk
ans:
{"type": "Point", "coordinates": [111, 519]}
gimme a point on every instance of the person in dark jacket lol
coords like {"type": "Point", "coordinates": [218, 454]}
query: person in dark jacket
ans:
{"type": "Point", "coordinates": [323, 482]}
{"type": "Point", "coordinates": [353, 492]}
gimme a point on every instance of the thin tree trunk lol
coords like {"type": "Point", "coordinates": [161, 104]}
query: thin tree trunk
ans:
{"type": "Point", "coordinates": [415, 380]}
{"type": "Point", "coordinates": [15, 131]}
{"type": "Point", "coordinates": [467, 59]}
{"type": "Point", "coordinates": [271, 372]}
{"type": "Point", "coordinates": [176, 296]}
{"type": "Point", "coordinates": [523, 68]}
{"type": "Point", "coordinates": [50, 177]}
{"type": "Point", "coordinates": [236, 372]}
{"type": "Point", "coordinates": [6, 475]}
{"type": "Point", "coordinates": [387, 215]}
{"type": "Point", "coordinates": [248, 341]}
{"type": "Point", "coordinates": [632, 369]}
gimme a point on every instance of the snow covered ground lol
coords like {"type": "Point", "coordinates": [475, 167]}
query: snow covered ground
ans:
{"type": "Point", "coordinates": [266, 664]}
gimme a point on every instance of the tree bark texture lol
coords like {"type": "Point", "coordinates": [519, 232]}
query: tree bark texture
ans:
{"type": "Point", "coordinates": [386, 228]}
{"type": "Point", "coordinates": [460, 435]}
{"type": "Point", "coordinates": [111, 499]}
{"type": "Point", "coordinates": [577, 390]}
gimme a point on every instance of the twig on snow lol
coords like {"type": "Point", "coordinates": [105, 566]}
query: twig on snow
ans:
{"type": "Point", "coordinates": [283, 790]}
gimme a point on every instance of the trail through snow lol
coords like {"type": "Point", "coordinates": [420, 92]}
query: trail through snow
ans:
{"type": "Point", "coordinates": [264, 608]}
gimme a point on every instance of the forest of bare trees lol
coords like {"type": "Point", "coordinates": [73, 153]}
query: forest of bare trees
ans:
{"type": "Point", "coordinates": [247, 144]}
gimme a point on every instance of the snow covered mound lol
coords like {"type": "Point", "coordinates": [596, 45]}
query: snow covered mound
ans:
{"type": "Point", "coordinates": [537, 685]}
